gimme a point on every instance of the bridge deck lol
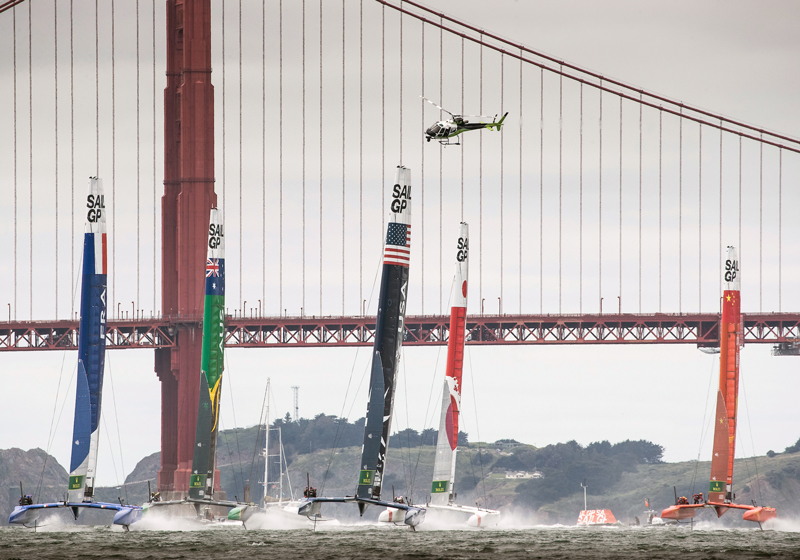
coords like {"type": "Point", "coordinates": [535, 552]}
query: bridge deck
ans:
{"type": "Point", "coordinates": [701, 329]}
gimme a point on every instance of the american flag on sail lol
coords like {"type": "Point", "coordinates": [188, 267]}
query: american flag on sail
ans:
{"type": "Point", "coordinates": [398, 244]}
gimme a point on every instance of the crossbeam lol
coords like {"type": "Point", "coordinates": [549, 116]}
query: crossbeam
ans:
{"type": "Point", "coordinates": [701, 329]}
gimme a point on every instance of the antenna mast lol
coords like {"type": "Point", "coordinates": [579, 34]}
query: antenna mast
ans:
{"type": "Point", "coordinates": [296, 390]}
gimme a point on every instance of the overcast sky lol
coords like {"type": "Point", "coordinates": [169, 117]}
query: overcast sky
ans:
{"type": "Point", "coordinates": [735, 58]}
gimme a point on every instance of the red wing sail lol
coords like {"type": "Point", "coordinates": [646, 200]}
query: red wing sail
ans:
{"type": "Point", "coordinates": [719, 457]}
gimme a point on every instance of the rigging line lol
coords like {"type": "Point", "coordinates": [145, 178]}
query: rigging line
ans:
{"type": "Point", "coordinates": [244, 311]}
{"type": "Point", "coordinates": [320, 156]}
{"type": "Point", "coordinates": [113, 164]}
{"type": "Point", "coordinates": [224, 205]}
{"type": "Point", "coordinates": [138, 162]}
{"type": "Point", "coordinates": [302, 309]}
{"type": "Point", "coordinates": [519, 286]}
{"type": "Point", "coordinates": [230, 454]}
{"type": "Point", "coordinates": [660, 154]}
{"type": "Point", "coordinates": [584, 71]}
{"type": "Point", "coordinates": [116, 420]}
{"type": "Point", "coordinates": [441, 154]}
{"type": "Point", "coordinates": [409, 483]}
{"type": "Point", "coordinates": [110, 446]}
{"type": "Point", "coordinates": [752, 444]}
{"type": "Point", "coordinates": [30, 151]}
{"type": "Point", "coordinates": [740, 199]}
{"type": "Point", "coordinates": [14, 38]}
{"type": "Point", "coordinates": [260, 416]}
{"type": "Point", "coordinates": [703, 426]}
{"type": "Point", "coordinates": [680, 214]}
{"type": "Point", "coordinates": [335, 445]}
{"type": "Point", "coordinates": [477, 425]}
{"type": "Point", "coordinates": [600, 209]}
{"type": "Point", "coordinates": [760, 224]}
{"type": "Point", "coordinates": [612, 91]}
{"type": "Point", "coordinates": [640, 208]}
{"type": "Point", "coordinates": [383, 117]}
{"type": "Point", "coordinates": [280, 156]}
{"type": "Point", "coordinates": [700, 223]}
{"type": "Point", "coordinates": [263, 159]}
{"type": "Point", "coordinates": [52, 420]}
{"type": "Point", "coordinates": [344, 208]}
{"type": "Point", "coordinates": [235, 424]}
{"type": "Point", "coordinates": [580, 213]}
{"type": "Point", "coordinates": [541, 188]}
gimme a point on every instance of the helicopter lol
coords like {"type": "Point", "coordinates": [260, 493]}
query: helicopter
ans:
{"type": "Point", "coordinates": [443, 131]}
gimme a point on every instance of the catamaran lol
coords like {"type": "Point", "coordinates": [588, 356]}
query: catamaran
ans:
{"type": "Point", "coordinates": [389, 330]}
{"type": "Point", "coordinates": [91, 362]}
{"type": "Point", "coordinates": [720, 493]}
{"type": "Point", "coordinates": [443, 493]}
{"type": "Point", "coordinates": [203, 482]}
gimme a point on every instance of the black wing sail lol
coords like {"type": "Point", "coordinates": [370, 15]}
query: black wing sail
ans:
{"type": "Point", "coordinates": [389, 331]}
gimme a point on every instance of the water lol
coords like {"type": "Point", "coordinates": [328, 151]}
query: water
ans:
{"type": "Point", "coordinates": [366, 541]}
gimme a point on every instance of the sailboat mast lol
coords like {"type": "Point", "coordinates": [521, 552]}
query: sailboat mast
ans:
{"type": "Point", "coordinates": [389, 332]}
{"type": "Point", "coordinates": [730, 342]}
{"type": "Point", "coordinates": [201, 481]}
{"type": "Point", "coordinates": [444, 468]}
{"type": "Point", "coordinates": [91, 348]}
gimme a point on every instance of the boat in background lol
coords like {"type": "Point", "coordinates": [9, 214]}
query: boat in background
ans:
{"type": "Point", "coordinates": [720, 493]}
{"type": "Point", "coordinates": [595, 517]}
{"type": "Point", "coordinates": [389, 332]}
{"type": "Point", "coordinates": [91, 365]}
{"type": "Point", "coordinates": [443, 493]}
{"type": "Point", "coordinates": [202, 480]}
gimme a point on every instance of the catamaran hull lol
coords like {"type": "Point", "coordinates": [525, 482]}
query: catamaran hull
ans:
{"type": "Point", "coordinates": [483, 519]}
{"type": "Point", "coordinates": [679, 513]}
{"type": "Point", "coordinates": [392, 515]}
{"type": "Point", "coordinates": [25, 515]}
{"type": "Point", "coordinates": [760, 514]}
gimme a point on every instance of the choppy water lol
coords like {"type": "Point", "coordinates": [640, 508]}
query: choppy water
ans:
{"type": "Point", "coordinates": [332, 542]}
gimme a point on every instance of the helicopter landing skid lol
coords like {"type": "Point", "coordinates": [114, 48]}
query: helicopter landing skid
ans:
{"type": "Point", "coordinates": [447, 142]}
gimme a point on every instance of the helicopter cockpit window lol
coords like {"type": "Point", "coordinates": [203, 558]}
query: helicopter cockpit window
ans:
{"type": "Point", "coordinates": [434, 129]}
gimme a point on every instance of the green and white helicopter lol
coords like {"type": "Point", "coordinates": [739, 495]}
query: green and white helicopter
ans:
{"type": "Point", "coordinates": [443, 131]}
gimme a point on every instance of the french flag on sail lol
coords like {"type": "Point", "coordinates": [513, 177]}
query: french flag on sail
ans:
{"type": "Point", "coordinates": [398, 244]}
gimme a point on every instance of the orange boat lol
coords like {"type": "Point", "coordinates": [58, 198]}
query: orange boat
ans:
{"type": "Point", "coordinates": [720, 495]}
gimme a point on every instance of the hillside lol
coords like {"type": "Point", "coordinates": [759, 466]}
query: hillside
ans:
{"type": "Point", "coordinates": [18, 466]}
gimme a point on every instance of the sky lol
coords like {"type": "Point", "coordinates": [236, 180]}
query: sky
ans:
{"type": "Point", "coordinates": [734, 58]}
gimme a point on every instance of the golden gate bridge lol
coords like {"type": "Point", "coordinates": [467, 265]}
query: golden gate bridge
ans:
{"type": "Point", "coordinates": [598, 191]}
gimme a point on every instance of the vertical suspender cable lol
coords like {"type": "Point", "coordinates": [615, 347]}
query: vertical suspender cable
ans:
{"type": "Point", "coordinates": [600, 209]}
{"type": "Point", "coordinates": [361, 153]}
{"type": "Point", "coordinates": [660, 153]}
{"type": "Point", "coordinates": [741, 251]}
{"type": "Point", "coordinates": [680, 212]}
{"type": "Point", "coordinates": [541, 188]}
{"type": "Point", "coordinates": [620, 205]}
{"type": "Point", "coordinates": [700, 223]}
{"type": "Point", "coordinates": [560, 173]}
{"type": "Point", "coordinates": [519, 284]}
{"type": "Point", "coordinates": [344, 214]}
{"type": "Point", "coordinates": [719, 248]}
{"type": "Point", "coordinates": [155, 193]}
{"type": "Point", "coordinates": [224, 205]}
{"type": "Point", "coordinates": [760, 222]}
{"type": "Point", "coordinates": [71, 159]}
{"type": "Point", "coordinates": [240, 158]}
{"type": "Point", "coordinates": [138, 163]}
{"type": "Point", "coordinates": [264, 155]}
{"type": "Point", "coordinates": [383, 116]}
{"type": "Point", "coordinates": [580, 212]}
{"type": "Point", "coordinates": [502, 152]}
{"type": "Point", "coordinates": [30, 149]}
{"type": "Point", "coordinates": [780, 228]}
{"type": "Point", "coordinates": [302, 309]}
{"type": "Point", "coordinates": [401, 82]}
{"type": "Point", "coordinates": [422, 171]}
{"type": "Point", "coordinates": [462, 112]}
{"type": "Point", "coordinates": [640, 203]}
{"type": "Point", "coordinates": [113, 298]}
{"type": "Point", "coordinates": [55, 120]}
{"type": "Point", "coordinates": [14, 37]}
{"type": "Point", "coordinates": [480, 185]}
{"type": "Point", "coordinates": [441, 153]}
{"type": "Point", "coordinates": [280, 157]}
{"type": "Point", "coordinates": [320, 156]}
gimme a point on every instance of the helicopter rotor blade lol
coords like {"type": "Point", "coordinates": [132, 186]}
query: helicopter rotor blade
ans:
{"type": "Point", "coordinates": [437, 106]}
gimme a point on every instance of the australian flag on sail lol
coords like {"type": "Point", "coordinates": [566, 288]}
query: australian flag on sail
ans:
{"type": "Point", "coordinates": [398, 244]}
{"type": "Point", "coordinates": [215, 277]}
